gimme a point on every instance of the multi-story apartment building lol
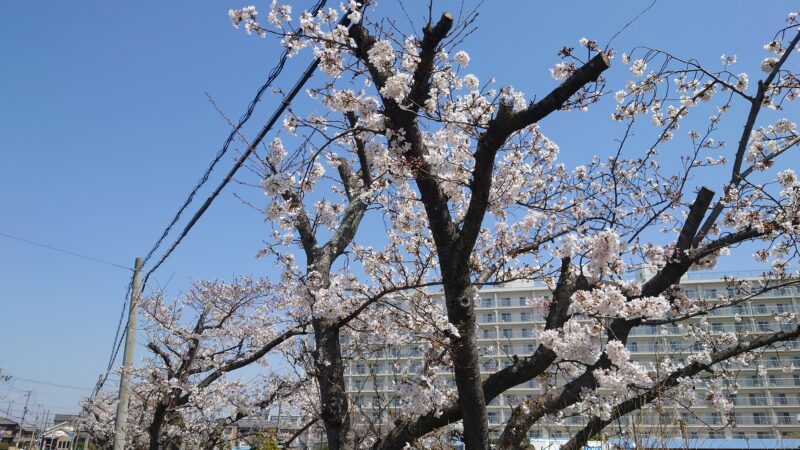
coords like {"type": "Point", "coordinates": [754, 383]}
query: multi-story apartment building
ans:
{"type": "Point", "coordinates": [767, 404]}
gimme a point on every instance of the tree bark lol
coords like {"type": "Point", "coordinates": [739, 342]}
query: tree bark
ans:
{"type": "Point", "coordinates": [154, 429]}
{"type": "Point", "coordinates": [330, 377]}
{"type": "Point", "coordinates": [467, 369]}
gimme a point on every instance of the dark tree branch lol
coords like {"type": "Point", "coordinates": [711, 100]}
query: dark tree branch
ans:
{"type": "Point", "coordinates": [596, 425]}
{"type": "Point", "coordinates": [503, 125]}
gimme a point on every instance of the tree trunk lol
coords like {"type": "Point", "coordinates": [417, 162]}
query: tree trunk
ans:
{"type": "Point", "coordinates": [330, 376]}
{"type": "Point", "coordinates": [154, 430]}
{"type": "Point", "coordinates": [467, 369]}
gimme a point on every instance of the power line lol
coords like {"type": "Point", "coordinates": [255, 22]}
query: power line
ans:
{"type": "Point", "coordinates": [119, 337]}
{"type": "Point", "coordinates": [345, 21]}
{"type": "Point", "coordinates": [276, 115]}
{"type": "Point", "coordinates": [47, 383]}
{"type": "Point", "coordinates": [67, 252]}
{"type": "Point", "coordinates": [273, 74]}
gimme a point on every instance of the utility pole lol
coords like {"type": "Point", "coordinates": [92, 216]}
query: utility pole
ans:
{"type": "Point", "coordinates": [46, 421]}
{"type": "Point", "coordinates": [35, 425]}
{"type": "Point", "coordinates": [24, 413]}
{"type": "Point", "coordinates": [74, 440]}
{"type": "Point", "coordinates": [127, 359]}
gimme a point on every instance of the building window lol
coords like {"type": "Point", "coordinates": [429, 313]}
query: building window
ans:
{"type": "Point", "coordinates": [783, 418]}
{"type": "Point", "coordinates": [527, 332]}
{"type": "Point", "coordinates": [755, 380]}
{"type": "Point", "coordinates": [508, 333]}
{"type": "Point", "coordinates": [488, 334]}
{"type": "Point", "coordinates": [493, 417]}
{"type": "Point", "coordinates": [505, 301]}
{"type": "Point", "coordinates": [487, 302]}
{"type": "Point", "coordinates": [523, 301]}
{"type": "Point", "coordinates": [757, 399]}
{"type": "Point", "coordinates": [760, 418]}
{"type": "Point", "coordinates": [505, 317]}
{"type": "Point", "coordinates": [525, 317]}
{"type": "Point", "coordinates": [773, 362]}
{"type": "Point", "coordinates": [763, 325]}
{"type": "Point", "coordinates": [488, 318]}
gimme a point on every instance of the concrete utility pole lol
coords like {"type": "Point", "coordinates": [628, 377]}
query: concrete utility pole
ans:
{"type": "Point", "coordinates": [127, 357]}
{"type": "Point", "coordinates": [46, 421]}
{"type": "Point", "coordinates": [35, 426]}
{"type": "Point", "coordinates": [24, 413]}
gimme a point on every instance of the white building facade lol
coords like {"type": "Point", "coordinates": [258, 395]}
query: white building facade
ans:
{"type": "Point", "coordinates": [766, 400]}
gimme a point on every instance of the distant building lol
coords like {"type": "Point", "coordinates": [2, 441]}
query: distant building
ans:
{"type": "Point", "coordinates": [15, 435]}
{"type": "Point", "coordinates": [249, 430]}
{"type": "Point", "coordinates": [8, 430]}
{"type": "Point", "coordinates": [59, 436]}
{"type": "Point", "coordinates": [766, 406]}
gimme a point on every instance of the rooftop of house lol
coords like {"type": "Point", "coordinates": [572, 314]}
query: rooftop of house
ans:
{"type": "Point", "coordinates": [7, 422]}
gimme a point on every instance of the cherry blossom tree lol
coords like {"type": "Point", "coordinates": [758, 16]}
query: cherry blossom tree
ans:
{"type": "Point", "coordinates": [467, 191]}
{"type": "Point", "coordinates": [184, 392]}
{"type": "Point", "coordinates": [470, 193]}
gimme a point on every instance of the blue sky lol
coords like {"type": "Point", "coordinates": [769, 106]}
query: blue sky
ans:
{"type": "Point", "coordinates": [105, 126]}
